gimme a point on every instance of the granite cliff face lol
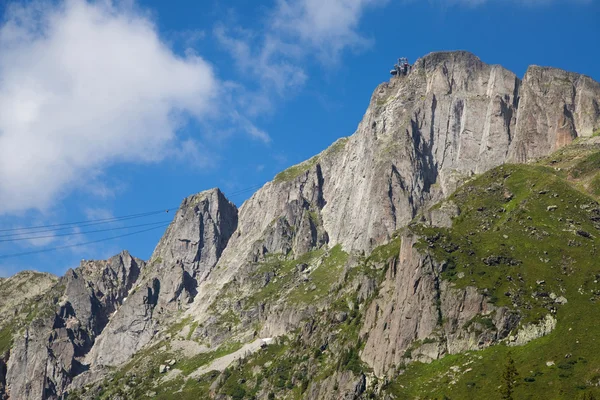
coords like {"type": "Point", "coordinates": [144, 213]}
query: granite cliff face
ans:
{"type": "Point", "coordinates": [182, 260]}
{"type": "Point", "coordinates": [49, 352]}
{"type": "Point", "coordinates": [556, 107]}
{"type": "Point", "coordinates": [299, 247]}
{"type": "Point", "coordinates": [417, 310]}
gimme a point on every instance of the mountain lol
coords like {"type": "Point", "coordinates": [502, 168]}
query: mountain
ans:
{"type": "Point", "coordinates": [458, 223]}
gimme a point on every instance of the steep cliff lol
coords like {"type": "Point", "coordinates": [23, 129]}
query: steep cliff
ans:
{"type": "Point", "coordinates": [49, 352]}
{"type": "Point", "coordinates": [352, 259]}
{"type": "Point", "coordinates": [422, 135]}
{"type": "Point", "coordinates": [183, 259]}
{"type": "Point", "coordinates": [555, 108]}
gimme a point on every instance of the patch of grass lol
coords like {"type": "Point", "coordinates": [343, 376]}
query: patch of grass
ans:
{"type": "Point", "coordinates": [322, 277]}
{"type": "Point", "coordinates": [338, 145]}
{"type": "Point", "coordinates": [594, 185]}
{"type": "Point", "coordinates": [509, 236]}
{"type": "Point", "coordinates": [284, 272]}
{"type": "Point", "coordinates": [192, 329]}
{"type": "Point", "coordinates": [385, 252]}
{"type": "Point", "coordinates": [6, 337]}
{"type": "Point", "coordinates": [177, 327]}
{"type": "Point", "coordinates": [517, 248]}
{"type": "Point", "coordinates": [590, 164]}
{"type": "Point", "coordinates": [295, 171]}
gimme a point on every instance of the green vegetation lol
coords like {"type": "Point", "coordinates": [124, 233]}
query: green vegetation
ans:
{"type": "Point", "coordinates": [525, 232]}
{"type": "Point", "coordinates": [283, 273]}
{"type": "Point", "coordinates": [526, 236]}
{"type": "Point", "coordinates": [337, 146]}
{"type": "Point", "coordinates": [590, 164]}
{"type": "Point", "coordinates": [141, 378]}
{"type": "Point", "coordinates": [296, 170]}
{"type": "Point", "coordinates": [192, 330]}
{"type": "Point", "coordinates": [509, 379]}
{"type": "Point", "coordinates": [385, 252]}
{"type": "Point", "coordinates": [323, 277]}
{"type": "Point", "coordinates": [6, 336]}
{"type": "Point", "coordinates": [519, 225]}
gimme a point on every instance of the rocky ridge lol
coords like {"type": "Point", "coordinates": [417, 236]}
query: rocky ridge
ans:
{"type": "Point", "coordinates": [422, 136]}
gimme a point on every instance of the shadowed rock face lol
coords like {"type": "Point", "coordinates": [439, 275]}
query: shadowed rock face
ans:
{"type": "Point", "coordinates": [104, 311]}
{"type": "Point", "coordinates": [183, 259]}
{"type": "Point", "coordinates": [50, 352]}
{"type": "Point", "coordinates": [422, 135]}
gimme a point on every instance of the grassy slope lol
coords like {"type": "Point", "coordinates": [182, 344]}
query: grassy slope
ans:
{"type": "Point", "coordinates": [505, 213]}
{"type": "Point", "coordinates": [284, 369]}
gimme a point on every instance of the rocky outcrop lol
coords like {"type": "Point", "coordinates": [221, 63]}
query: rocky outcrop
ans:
{"type": "Point", "coordinates": [18, 296]}
{"type": "Point", "coordinates": [531, 332]}
{"type": "Point", "coordinates": [17, 291]}
{"type": "Point", "coordinates": [51, 351]}
{"type": "Point", "coordinates": [422, 135]}
{"type": "Point", "coordinates": [3, 395]}
{"type": "Point", "coordinates": [418, 316]}
{"type": "Point", "coordinates": [182, 260]}
{"type": "Point", "coordinates": [555, 108]}
{"type": "Point", "coordinates": [341, 385]}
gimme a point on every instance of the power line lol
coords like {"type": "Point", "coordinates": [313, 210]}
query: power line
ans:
{"type": "Point", "coordinates": [82, 233]}
{"type": "Point", "coordinates": [31, 232]}
{"type": "Point", "coordinates": [101, 221]}
{"type": "Point", "coordinates": [242, 191]}
{"type": "Point", "coordinates": [78, 244]}
{"type": "Point", "coordinates": [90, 222]}
{"type": "Point", "coordinates": [78, 224]}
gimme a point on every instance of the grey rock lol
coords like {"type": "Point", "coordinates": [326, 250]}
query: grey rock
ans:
{"type": "Point", "coordinates": [52, 351]}
{"type": "Point", "coordinates": [555, 107]}
{"type": "Point", "coordinates": [416, 304]}
{"type": "Point", "coordinates": [561, 300]}
{"type": "Point", "coordinates": [442, 216]}
{"type": "Point", "coordinates": [341, 316]}
{"type": "Point", "coordinates": [184, 258]}
{"type": "Point", "coordinates": [422, 135]}
{"type": "Point", "coordinates": [341, 385]}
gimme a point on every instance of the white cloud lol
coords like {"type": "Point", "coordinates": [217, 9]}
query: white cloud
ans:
{"type": "Point", "coordinates": [267, 58]}
{"type": "Point", "coordinates": [327, 26]}
{"type": "Point", "coordinates": [295, 33]}
{"type": "Point", "coordinates": [85, 85]}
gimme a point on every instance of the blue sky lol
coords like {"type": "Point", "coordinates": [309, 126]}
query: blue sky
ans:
{"type": "Point", "coordinates": [118, 108]}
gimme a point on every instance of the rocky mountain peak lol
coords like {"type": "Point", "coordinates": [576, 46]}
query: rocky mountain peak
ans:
{"type": "Point", "coordinates": [275, 263]}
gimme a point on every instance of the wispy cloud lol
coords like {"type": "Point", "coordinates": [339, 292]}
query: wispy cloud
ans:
{"type": "Point", "coordinates": [295, 34]}
{"type": "Point", "coordinates": [329, 27]}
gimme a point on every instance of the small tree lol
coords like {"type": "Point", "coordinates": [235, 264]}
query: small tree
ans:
{"type": "Point", "coordinates": [509, 379]}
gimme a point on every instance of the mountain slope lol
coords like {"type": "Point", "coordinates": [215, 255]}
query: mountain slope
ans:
{"type": "Point", "coordinates": [319, 258]}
